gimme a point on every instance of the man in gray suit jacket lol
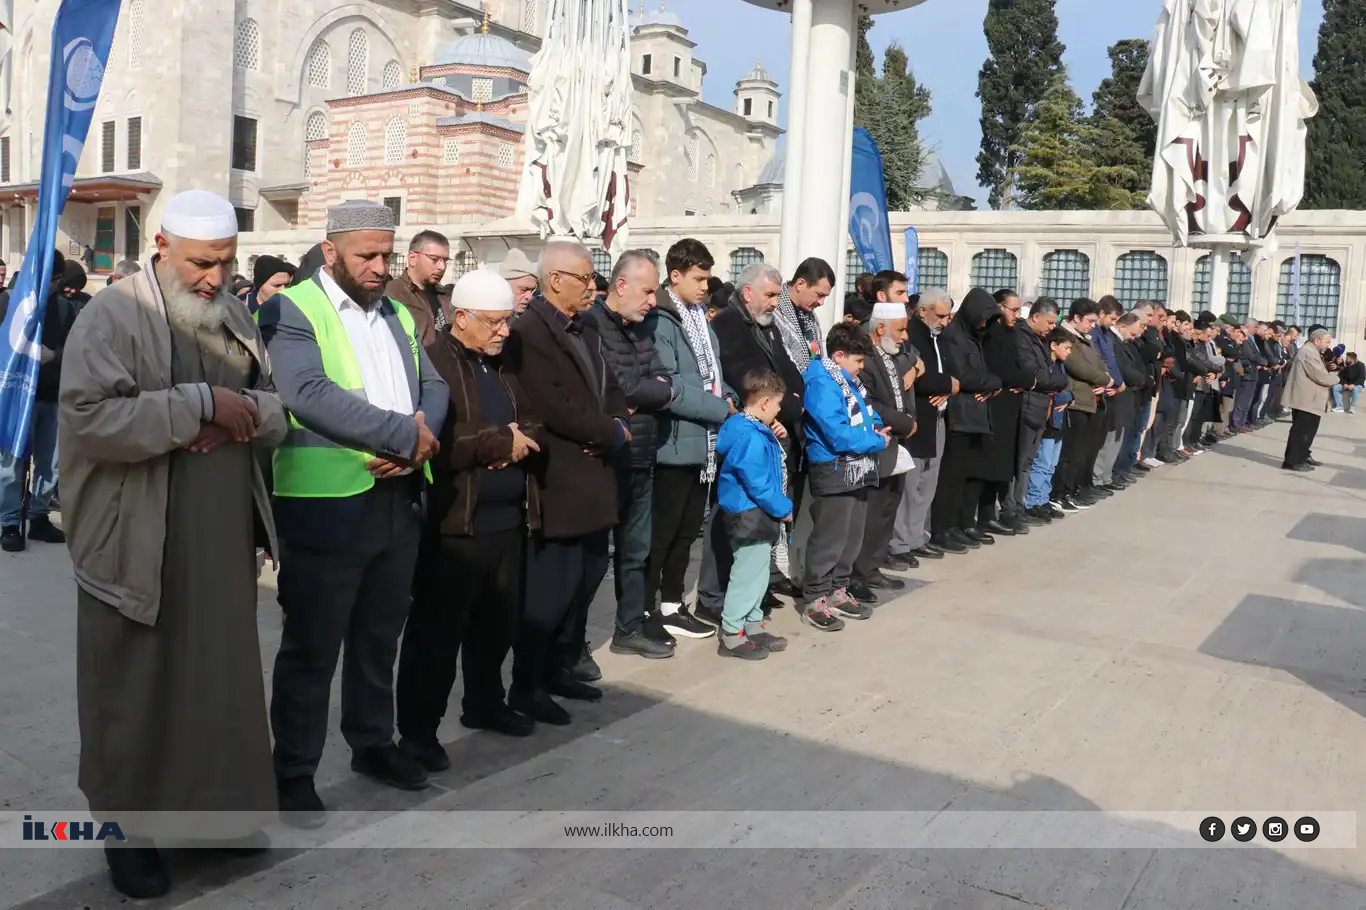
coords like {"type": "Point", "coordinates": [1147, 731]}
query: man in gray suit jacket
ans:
{"type": "Point", "coordinates": [365, 407]}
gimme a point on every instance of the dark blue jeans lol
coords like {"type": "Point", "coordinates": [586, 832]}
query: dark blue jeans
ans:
{"type": "Point", "coordinates": [1133, 438]}
{"type": "Point", "coordinates": [631, 540]}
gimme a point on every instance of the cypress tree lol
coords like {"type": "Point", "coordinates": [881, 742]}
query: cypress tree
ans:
{"type": "Point", "coordinates": [1117, 95]}
{"type": "Point", "coordinates": [1335, 175]}
{"type": "Point", "coordinates": [890, 106]}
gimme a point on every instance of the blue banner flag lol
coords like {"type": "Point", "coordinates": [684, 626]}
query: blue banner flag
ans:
{"type": "Point", "coordinates": [81, 35]}
{"type": "Point", "coordinates": [868, 226]}
{"type": "Point", "coordinates": [912, 261]}
{"type": "Point", "coordinates": [1296, 276]}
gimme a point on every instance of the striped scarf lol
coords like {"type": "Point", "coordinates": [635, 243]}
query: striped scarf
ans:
{"type": "Point", "coordinates": [855, 467]}
{"type": "Point", "coordinates": [694, 321]}
{"type": "Point", "coordinates": [800, 332]}
{"type": "Point", "coordinates": [890, 367]}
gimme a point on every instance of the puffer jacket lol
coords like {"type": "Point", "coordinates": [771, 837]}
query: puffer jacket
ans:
{"type": "Point", "coordinates": [629, 350]}
{"type": "Point", "coordinates": [694, 410]}
{"type": "Point", "coordinates": [749, 485]}
{"type": "Point", "coordinates": [962, 344]}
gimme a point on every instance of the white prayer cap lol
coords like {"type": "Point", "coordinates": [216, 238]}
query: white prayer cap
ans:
{"type": "Point", "coordinates": [888, 310]}
{"type": "Point", "coordinates": [199, 215]}
{"type": "Point", "coordinates": [482, 289]}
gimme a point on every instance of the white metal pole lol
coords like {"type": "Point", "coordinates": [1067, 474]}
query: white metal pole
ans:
{"type": "Point", "coordinates": [842, 226]}
{"type": "Point", "coordinates": [795, 150]}
{"type": "Point", "coordinates": [1219, 259]}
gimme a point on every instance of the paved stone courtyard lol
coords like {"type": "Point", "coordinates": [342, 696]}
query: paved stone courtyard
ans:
{"type": "Point", "coordinates": [1195, 644]}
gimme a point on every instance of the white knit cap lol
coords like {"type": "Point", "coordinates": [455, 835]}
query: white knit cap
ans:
{"type": "Point", "coordinates": [482, 289]}
{"type": "Point", "coordinates": [888, 310]}
{"type": "Point", "coordinates": [199, 215]}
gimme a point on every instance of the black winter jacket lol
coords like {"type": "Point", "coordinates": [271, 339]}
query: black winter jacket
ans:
{"type": "Point", "coordinates": [746, 346]}
{"type": "Point", "coordinates": [936, 380]}
{"type": "Point", "coordinates": [962, 345]}
{"type": "Point", "coordinates": [1033, 356]}
{"type": "Point", "coordinates": [629, 350]}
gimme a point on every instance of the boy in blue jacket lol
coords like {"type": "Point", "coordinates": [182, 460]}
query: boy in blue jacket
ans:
{"type": "Point", "coordinates": [843, 437]}
{"type": "Point", "coordinates": [749, 494]}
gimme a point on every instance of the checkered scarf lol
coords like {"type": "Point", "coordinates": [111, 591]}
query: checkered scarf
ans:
{"type": "Point", "coordinates": [855, 467]}
{"type": "Point", "coordinates": [800, 331]}
{"type": "Point", "coordinates": [694, 319]}
{"type": "Point", "coordinates": [890, 367]}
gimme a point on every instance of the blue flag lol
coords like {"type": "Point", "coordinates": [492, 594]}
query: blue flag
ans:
{"type": "Point", "coordinates": [81, 35]}
{"type": "Point", "coordinates": [912, 261]}
{"type": "Point", "coordinates": [868, 226]}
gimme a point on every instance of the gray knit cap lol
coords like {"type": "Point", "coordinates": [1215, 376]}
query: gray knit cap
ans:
{"type": "Point", "coordinates": [359, 215]}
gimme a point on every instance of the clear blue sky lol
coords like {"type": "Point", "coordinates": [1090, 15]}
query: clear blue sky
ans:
{"type": "Point", "coordinates": [946, 47]}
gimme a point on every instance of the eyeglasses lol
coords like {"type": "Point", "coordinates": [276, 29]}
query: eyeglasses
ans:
{"type": "Point", "coordinates": [582, 279]}
{"type": "Point", "coordinates": [436, 260]}
{"type": "Point", "coordinates": [496, 325]}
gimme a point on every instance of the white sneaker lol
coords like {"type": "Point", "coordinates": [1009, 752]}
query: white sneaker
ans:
{"type": "Point", "coordinates": [1153, 463]}
{"type": "Point", "coordinates": [1337, 410]}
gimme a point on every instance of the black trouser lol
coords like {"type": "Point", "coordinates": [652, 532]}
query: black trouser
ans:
{"type": "Point", "coordinates": [631, 543]}
{"type": "Point", "coordinates": [878, 525]}
{"type": "Point", "coordinates": [466, 599]}
{"type": "Point", "coordinates": [561, 578]}
{"type": "Point", "coordinates": [1304, 425]}
{"type": "Point", "coordinates": [993, 491]}
{"type": "Point", "coordinates": [954, 489]}
{"type": "Point", "coordinates": [1082, 436]}
{"type": "Point", "coordinates": [680, 502]}
{"type": "Point", "coordinates": [1199, 410]}
{"type": "Point", "coordinates": [358, 595]}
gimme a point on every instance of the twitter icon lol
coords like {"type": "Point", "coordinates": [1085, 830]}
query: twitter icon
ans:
{"type": "Point", "coordinates": [1243, 829]}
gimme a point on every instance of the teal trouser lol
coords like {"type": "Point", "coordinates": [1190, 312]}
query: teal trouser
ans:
{"type": "Point", "coordinates": [748, 582]}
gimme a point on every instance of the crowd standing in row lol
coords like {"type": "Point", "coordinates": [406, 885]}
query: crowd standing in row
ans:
{"type": "Point", "coordinates": [445, 471]}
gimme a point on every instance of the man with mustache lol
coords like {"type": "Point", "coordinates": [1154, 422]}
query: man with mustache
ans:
{"type": "Point", "coordinates": [164, 504]}
{"type": "Point", "coordinates": [365, 404]}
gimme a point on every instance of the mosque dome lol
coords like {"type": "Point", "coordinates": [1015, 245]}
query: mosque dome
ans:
{"type": "Point", "coordinates": [483, 49]}
{"type": "Point", "coordinates": [777, 166]}
{"type": "Point", "coordinates": [659, 17]}
{"type": "Point", "coordinates": [758, 74]}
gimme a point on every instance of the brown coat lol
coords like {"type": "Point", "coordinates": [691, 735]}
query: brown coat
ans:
{"type": "Point", "coordinates": [1307, 382]}
{"type": "Point", "coordinates": [402, 289]}
{"type": "Point", "coordinates": [469, 445]}
{"type": "Point", "coordinates": [1085, 371]}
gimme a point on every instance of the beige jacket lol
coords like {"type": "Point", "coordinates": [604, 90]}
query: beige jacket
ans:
{"type": "Point", "coordinates": [120, 419]}
{"type": "Point", "coordinates": [1306, 388]}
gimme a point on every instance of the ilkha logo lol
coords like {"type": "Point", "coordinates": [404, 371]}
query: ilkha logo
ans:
{"type": "Point", "coordinates": [70, 831]}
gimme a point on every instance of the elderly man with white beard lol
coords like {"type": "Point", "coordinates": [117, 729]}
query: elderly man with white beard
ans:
{"type": "Point", "coordinates": [166, 395]}
{"type": "Point", "coordinates": [889, 376]}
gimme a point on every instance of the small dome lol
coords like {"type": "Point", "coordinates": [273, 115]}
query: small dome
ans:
{"type": "Point", "coordinates": [481, 49]}
{"type": "Point", "coordinates": [776, 168]}
{"type": "Point", "coordinates": [659, 17]}
{"type": "Point", "coordinates": [758, 74]}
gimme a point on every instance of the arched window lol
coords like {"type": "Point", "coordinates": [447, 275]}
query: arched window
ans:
{"type": "Point", "coordinates": [933, 269]}
{"type": "Point", "coordinates": [1320, 292]}
{"type": "Point", "coordinates": [505, 156]}
{"type": "Point", "coordinates": [357, 62]}
{"type": "Point", "coordinates": [461, 262]}
{"type": "Point", "coordinates": [1066, 276]}
{"type": "Point", "coordinates": [450, 151]}
{"type": "Point", "coordinates": [355, 145]}
{"type": "Point", "coordinates": [743, 258]}
{"type": "Point", "coordinates": [602, 262]}
{"type": "Point", "coordinates": [316, 127]}
{"type": "Point", "coordinates": [853, 267]}
{"type": "Point", "coordinates": [135, 34]}
{"type": "Point", "coordinates": [693, 151]}
{"type": "Point", "coordinates": [633, 153]}
{"type": "Point", "coordinates": [993, 270]}
{"type": "Point", "coordinates": [1239, 301]}
{"type": "Point", "coordinates": [247, 51]}
{"type": "Point", "coordinates": [319, 65]}
{"type": "Point", "coordinates": [393, 74]}
{"type": "Point", "coordinates": [529, 17]}
{"type": "Point", "coordinates": [395, 141]}
{"type": "Point", "coordinates": [709, 171]}
{"type": "Point", "coordinates": [737, 177]}
{"type": "Point", "coordinates": [1141, 275]}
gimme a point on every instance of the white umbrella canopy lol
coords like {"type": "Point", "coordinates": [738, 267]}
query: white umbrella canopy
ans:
{"type": "Point", "coordinates": [574, 182]}
{"type": "Point", "coordinates": [1223, 83]}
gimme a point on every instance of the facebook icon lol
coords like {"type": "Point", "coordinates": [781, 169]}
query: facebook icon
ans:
{"type": "Point", "coordinates": [1212, 829]}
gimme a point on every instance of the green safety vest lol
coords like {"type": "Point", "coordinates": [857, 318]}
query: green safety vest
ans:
{"type": "Point", "coordinates": [306, 464]}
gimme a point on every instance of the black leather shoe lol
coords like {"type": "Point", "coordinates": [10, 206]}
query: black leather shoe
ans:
{"type": "Point", "coordinates": [1309, 461]}
{"type": "Point", "coordinates": [1042, 514]}
{"type": "Point", "coordinates": [997, 528]}
{"type": "Point", "coordinates": [569, 687]}
{"type": "Point", "coordinates": [540, 707]}
{"type": "Point", "coordinates": [901, 562]}
{"type": "Point", "coordinates": [929, 551]}
{"type": "Point", "coordinates": [963, 540]}
{"type": "Point", "coordinates": [137, 872]}
{"type": "Point", "coordinates": [300, 806]}
{"type": "Point", "coordinates": [638, 644]}
{"type": "Point", "coordinates": [786, 588]}
{"type": "Point", "coordinates": [862, 593]}
{"type": "Point", "coordinates": [11, 539]}
{"type": "Point", "coordinates": [1298, 468]}
{"type": "Point", "coordinates": [1025, 519]}
{"type": "Point", "coordinates": [982, 537]}
{"type": "Point", "coordinates": [587, 669]}
{"type": "Point", "coordinates": [42, 529]}
{"type": "Point", "coordinates": [500, 719]}
{"type": "Point", "coordinates": [427, 752]}
{"type": "Point", "coordinates": [388, 765]}
{"type": "Point", "coordinates": [878, 580]}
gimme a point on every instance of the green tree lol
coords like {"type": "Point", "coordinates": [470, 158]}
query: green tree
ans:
{"type": "Point", "coordinates": [1026, 57]}
{"type": "Point", "coordinates": [1117, 95]}
{"type": "Point", "coordinates": [1058, 166]}
{"type": "Point", "coordinates": [890, 106]}
{"type": "Point", "coordinates": [1334, 176]}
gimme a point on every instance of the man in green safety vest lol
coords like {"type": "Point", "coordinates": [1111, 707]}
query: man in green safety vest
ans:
{"type": "Point", "coordinates": [365, 406]}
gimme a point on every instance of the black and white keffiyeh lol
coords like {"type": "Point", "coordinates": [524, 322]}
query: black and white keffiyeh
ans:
{"type": "Point", "coordinates": [800, 331]}
{"type": "Point", "coordinates": [855, 467]}
{"type": "Point", "coordinates": [694, 319]}
{"type": "Point", "coordinates": [890, 366]}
